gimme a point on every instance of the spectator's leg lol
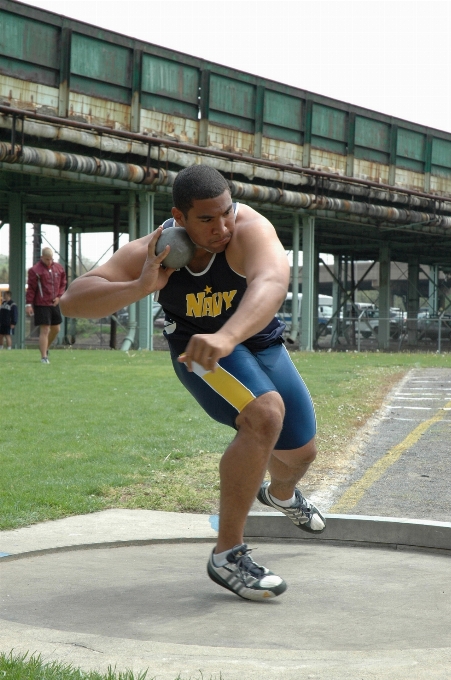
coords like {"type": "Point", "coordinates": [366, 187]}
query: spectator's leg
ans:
{"type": "Point", "coordinates": [44, 332]}
{"type": "Point", "coordinates": [54, 330]}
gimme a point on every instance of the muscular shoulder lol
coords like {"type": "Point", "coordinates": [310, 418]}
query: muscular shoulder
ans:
{"type": "Point", "coordinates": [249, 219]}
{"type": "Point", "coordinates": [253, 234]}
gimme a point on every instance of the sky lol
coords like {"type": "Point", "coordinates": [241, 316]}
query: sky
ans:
{"type": "Point", "coordinates": [392, 56]}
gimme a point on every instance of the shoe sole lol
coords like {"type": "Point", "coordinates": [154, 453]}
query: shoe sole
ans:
{"type": "Point", "coordinates": [302, 526]}
{"type": "Point", "coordinates": [260, 594]}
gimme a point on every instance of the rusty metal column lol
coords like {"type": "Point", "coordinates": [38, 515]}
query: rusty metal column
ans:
{"type": "Point", "coordinates": [145, 306]}
{"type": "Point", "coordinates": [433, 290]}
{"type": "Point", "coordinates": [132, 230]}
{"type": "Point", "coordinates": [384, 297]}
{"type": "Point", "coordinates": [308, 283]}
{"type": "Point", "coordinates": [116, 228]}
{"type": "Point", "coordinates": [413, 300]}
{"type": "Point", "coordinates": [72, 330]}
{"type": "Point", "coordinates": [17, 265]}
{"type": "Point", "coordinates": [62, 259]}
{"type": "Point", "coordinates": [37, 242]}
{"type": "Point", "coordinates": [336, 299]}
{"type": "Point", "coordinates": [295, 307]}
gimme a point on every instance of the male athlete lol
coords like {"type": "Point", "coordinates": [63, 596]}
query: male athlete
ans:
{"type": "Point", "coordinates": [227, 349]}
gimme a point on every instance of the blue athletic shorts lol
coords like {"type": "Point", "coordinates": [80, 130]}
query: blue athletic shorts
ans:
{"type": "Point", "coordinates": [244, 375]}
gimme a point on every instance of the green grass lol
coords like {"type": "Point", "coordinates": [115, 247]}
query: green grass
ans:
{"type": "Point", "coordinates": [100, 429]}
{"type": "Point", "coordinates": [26, 667]}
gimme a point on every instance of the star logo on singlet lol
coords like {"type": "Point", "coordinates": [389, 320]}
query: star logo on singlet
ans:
{"type": "Point", "coordinates": [207, 289]}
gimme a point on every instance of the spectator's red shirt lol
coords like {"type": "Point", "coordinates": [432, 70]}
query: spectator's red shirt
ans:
{"type": "Point", "coordinates": [45, 284]}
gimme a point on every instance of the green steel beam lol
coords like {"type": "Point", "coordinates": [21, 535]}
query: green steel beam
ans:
{"type": "Point", "coordinates": [384, 297]}
{"type": "Point", "coordinates": [295, 307]}
{"type": "Point", "coordinates": [413, 301]}
{"type": "Point", "coordinates": [145, 306]}
{"type": "Point", "coordinates": [17, 278]}
{"type": "Point", "coordinates": [129, 340]}
{"type": "Point", "coordinates": [308, 283]}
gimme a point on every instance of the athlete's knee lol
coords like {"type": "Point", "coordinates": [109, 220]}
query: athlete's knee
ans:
{"type": "Point", "coordinates": [308, 452]}
{"type": "Point", "coordinates": [264, 415]}
{"type": "Point", "coordinates": [304, 455]}
{"type": "Point", "coordinates": [44, 330]}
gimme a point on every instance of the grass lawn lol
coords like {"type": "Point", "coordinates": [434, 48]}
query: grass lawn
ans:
{"type": "Point", "coordinates": [25, 667]}
{"type": "Point", "coordinates": [101, 429]}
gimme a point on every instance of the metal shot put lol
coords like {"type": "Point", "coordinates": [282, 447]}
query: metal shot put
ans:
{"type": "Point", "coordinates": [182, 248]}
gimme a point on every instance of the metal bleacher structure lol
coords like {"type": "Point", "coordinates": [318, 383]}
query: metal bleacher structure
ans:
{"type": "Point", "coordinates": [94, 126]}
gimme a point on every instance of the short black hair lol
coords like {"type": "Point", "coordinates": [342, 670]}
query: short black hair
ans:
{"type": "Point", "coordinates": [197, 183]}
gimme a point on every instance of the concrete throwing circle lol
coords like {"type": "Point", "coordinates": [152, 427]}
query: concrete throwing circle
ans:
{"type": "Point", "coordinates": [338, 597]}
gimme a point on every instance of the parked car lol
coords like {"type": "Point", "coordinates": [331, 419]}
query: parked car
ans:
{"type": "Point", "coordinates": [368, 323]}
{"type": "Point", "coordinates": [428, 326]}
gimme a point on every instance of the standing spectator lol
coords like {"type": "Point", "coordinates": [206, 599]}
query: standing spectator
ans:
{"type": "Point", "coordinates": [8, 319]}
{"type": "Point", "coordinates": [46, 284]}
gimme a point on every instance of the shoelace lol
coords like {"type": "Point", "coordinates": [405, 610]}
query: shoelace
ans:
{"type": "Point", "coordinates": [302, 505]}
{"type": "Point", "coordinates": [246, 565]}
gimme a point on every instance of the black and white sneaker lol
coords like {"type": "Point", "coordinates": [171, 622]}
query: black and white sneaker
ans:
{"type": "Point", "coordinates": [244, 577]}
{"type": "Point", "coordinates": [302, 513]}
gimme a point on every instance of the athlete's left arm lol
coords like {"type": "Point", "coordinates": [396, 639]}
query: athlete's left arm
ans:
{"type": "Point", "coordinates": [257, 253]}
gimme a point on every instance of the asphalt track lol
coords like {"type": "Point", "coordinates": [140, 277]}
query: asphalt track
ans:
{"type": "Point", "coordinates": [403, 469]}
{"type": "Point", "coordinates": [370, 598]}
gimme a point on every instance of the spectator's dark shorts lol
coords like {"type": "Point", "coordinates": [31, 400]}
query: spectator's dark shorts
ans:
{"type": "Point", "coordinates": [5, 330]}
{"type": "Point", "coordinates": [244, 375]}
{"type": "Point", "coordinates": [47, 316]}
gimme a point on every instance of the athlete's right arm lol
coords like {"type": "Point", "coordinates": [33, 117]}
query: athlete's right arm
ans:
{"type": "Point", "coordinates": [131, 274]}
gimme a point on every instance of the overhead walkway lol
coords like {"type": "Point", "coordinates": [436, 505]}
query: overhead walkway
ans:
{"type": "Point", "coordinates": [94, 127]}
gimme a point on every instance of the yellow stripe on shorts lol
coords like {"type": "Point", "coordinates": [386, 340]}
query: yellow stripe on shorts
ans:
{"type": "Point", "coordinates": [225, 384]}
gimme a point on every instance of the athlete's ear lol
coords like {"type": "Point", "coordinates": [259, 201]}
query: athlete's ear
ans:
{"type": "Point", "coordinates": [178, 216]}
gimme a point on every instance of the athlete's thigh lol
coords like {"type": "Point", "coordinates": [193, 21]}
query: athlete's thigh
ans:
{"type": "Point", "coordinates": [237, 381]}
{"type": "Point", "coordinates": [299, 425]}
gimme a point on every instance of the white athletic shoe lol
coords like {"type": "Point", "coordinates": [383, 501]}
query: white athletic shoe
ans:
{"type": "Point", "coordinates": [244, 577]}
{"type": "Point", "coordinates": [302, 513]}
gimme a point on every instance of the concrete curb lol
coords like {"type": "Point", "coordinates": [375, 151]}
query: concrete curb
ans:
{"type": "Point", "coordinates": [360, 530]}
{"type": "Point", "coordinates": [357, 529]}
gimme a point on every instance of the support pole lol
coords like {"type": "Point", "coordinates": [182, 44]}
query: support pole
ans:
{"type": "Point", "coordinates": [413, 300]}
{"type": "Point", "coordinates": [433, 290]}
{"type": "Point", "coordinates": [145, 306]}
{"type": "Point", "coordinates": [73, 276]}
{"type": "Point", "coordinates": [308, 283]}
{"type": "Point", "coordinates": [17, 265]}
{"type": "Point", "coordinates": [63, 253]}
{"type": "Point", "coordinates": [384, 297]}
{"type": "Point", "coordinates": [37, 242]}
{"type": "Point", "coordinates": [295, 307]}
{"type": "Point", "coordinates": [116, 227]}
{"type": "Point", "coordinates": [132, 230]}
{"type": "Point", "coordinates": [336, 299]}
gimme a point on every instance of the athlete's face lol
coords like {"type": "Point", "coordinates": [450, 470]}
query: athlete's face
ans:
{"type": "Point", "coordinates": [209, 223]}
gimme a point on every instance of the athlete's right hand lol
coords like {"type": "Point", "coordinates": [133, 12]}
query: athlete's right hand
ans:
{"type": "Point", "coordinates": [153, 276]}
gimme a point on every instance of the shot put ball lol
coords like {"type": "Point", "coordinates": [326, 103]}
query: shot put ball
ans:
{"type": "Point", "coordinates": [182, 248]}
